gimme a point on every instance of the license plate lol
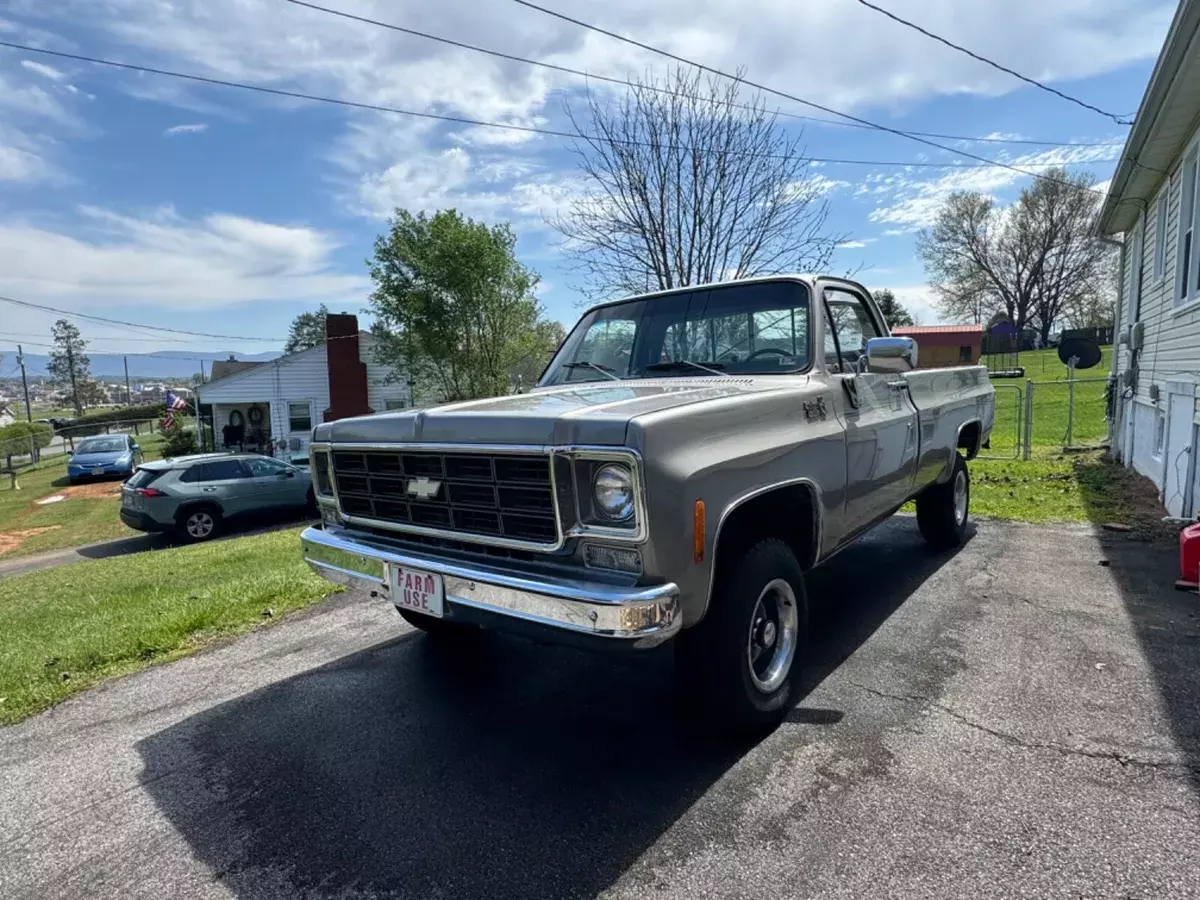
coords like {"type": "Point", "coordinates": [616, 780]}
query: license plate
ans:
{"type": "Point", "coordinates": [419, 591]}
{"type": "Point", "coordinates": [99, 470]}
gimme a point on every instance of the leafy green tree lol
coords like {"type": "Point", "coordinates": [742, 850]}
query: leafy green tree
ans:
{"type": "Point", "coordinates": [453, 307]}
{"type": "Point", "coordinates": [526, 373]}
{"type": "Point", "coordinates": [893, 311]}
{"type": "Point", "coordinates": [307, 330]}
{"type": "Point", "coordinates": [69, 366]}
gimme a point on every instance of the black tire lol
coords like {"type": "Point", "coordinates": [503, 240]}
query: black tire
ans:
{"type": "Point", "coordinates": [714, 659]}
{"type": "Point", "coordinates": [940, 516]}
{"type": "Point", "coordinates": [190, 524]}
{"type": "Point", "coordinates": [437, 628]}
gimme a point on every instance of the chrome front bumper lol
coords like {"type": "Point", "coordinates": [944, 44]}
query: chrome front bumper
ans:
{"type": "Point", "coordinates": [640, 617]}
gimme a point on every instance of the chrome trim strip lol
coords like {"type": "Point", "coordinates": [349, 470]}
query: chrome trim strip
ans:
{"type": "Point", "coordinates": [974, 452]}
{"type": "Point", "coordinates": [645, 615]}
{"type": "Point", "coordinates": [757, 492]}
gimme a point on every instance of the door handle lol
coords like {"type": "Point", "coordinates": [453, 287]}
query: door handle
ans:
{"type": "Point", "coordinates": [209, 490]}
{"type": "Point", "coordinates": [900, 385]}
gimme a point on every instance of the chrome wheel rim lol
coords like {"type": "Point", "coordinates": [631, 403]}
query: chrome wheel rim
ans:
{"type": "Point", "coordinates": [200, 524]}
{"type": "Point", "coordinates": [960, 498]}
{"type": "Point", "coordinates": [771, 642]}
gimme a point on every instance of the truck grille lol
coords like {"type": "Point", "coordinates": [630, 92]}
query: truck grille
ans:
{"type": "Point", "coordinates": [487, 495]}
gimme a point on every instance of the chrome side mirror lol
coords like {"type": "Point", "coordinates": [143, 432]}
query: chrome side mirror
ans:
{"type": "Point", "coordinates": [888, 356]}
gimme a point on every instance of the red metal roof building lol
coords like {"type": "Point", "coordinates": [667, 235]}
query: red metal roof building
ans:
{"type": "Point", "coordinates": [945, 345]}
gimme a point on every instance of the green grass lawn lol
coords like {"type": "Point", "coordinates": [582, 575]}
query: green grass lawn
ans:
{"type": "Point", "coordinates": [67, 628]}
{"type": "Point", "coordinates": [1051, 402]}
{"type": "Point", "coordinates": [70, 523]}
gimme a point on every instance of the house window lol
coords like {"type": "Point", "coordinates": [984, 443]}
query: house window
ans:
{"type": "Point", "coordinates": [395, 404]}
{"type": "Point", "coordinates": [1160, 432]}
{"type": "Point", "coordinates": [1185, 275]}
{"type": "Point", "coordinates": [1160, 234]}
{"type": "Point", "coordinates": [965, 354]}
{"type": "Point", "coordinates": [300, 416]}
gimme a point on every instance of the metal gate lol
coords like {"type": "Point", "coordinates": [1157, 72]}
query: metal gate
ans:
{"type": "Point", "coordinates": [1071, 414]}
{"type": "Point", "coordinates": [1009, 428]}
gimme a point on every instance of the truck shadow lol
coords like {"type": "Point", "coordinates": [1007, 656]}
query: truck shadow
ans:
{"type": "Point", "coordinates": [494, 769]}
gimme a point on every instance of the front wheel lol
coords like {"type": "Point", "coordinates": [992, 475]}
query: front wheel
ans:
{"type": "Point", "coordinates": [943, 509]}
{"type": "Point", "coordinates": [739, 660]}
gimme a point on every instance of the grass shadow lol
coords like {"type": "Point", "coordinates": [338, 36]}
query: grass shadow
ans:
{"type": "Point", "coordinates": [486, 768]}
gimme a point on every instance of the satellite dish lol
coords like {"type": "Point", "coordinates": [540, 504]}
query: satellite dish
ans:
{"type": "Point", "coordinates": [1085, 350]}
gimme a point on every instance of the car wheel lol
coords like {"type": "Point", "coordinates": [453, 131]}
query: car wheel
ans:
{"type": "Point", "coordinates": [739, 660]}
{"type": "Point", "coordinates": [944, 509]}
{"type": "Point", "coordinates": [199, 524]}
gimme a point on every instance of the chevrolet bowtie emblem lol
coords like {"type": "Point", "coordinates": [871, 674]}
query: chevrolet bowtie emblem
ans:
{"type": "Point", "coordinates": [423, 488]}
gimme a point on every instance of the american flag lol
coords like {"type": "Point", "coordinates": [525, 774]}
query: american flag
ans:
{"type": "Point", "coordinates": [174, 404]}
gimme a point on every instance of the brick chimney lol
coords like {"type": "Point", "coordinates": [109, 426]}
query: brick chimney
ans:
{"type": "Point", "coordinates": [347, 371]}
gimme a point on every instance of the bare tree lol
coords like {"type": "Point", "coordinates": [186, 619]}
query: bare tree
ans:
{"type": "Point", "coordinates": [1031, 261]}
{"type": "Point", "coordinates": [687, 184]}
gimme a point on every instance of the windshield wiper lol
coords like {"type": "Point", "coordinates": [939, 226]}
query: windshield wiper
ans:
{"type": "Point", "coordinates": [595, 367]}
{"type": "Point", "coordinates": [712, 368]}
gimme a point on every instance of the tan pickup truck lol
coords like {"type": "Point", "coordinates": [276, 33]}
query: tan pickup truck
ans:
{"type": "Point", "coordinates": [685, 458]}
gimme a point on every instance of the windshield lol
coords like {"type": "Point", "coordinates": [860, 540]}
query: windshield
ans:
{"type": "Point", "coordinates": [736, 328]}
{"type": "Point", "coordinates": [102, 445]}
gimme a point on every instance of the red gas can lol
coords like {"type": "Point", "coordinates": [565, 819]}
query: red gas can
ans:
{"type": "Point", "coordinates": [1189, 553]}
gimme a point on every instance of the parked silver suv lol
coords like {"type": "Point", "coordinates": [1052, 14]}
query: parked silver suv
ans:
{"type": "Point", "coordinates": [195, 496]}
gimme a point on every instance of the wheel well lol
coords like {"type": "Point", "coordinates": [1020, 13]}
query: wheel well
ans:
{"type": "Point", "coordinates": [788, 513]}
{"type": "Point", "coordinates": [968, 438]}
{"type": "Point", "coordinates": [186, 508]}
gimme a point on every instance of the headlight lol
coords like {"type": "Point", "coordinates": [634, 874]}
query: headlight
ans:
{"type": "Point", "coordinates": [612, 490]}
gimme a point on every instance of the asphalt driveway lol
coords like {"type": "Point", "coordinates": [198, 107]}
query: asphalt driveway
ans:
{"type": "Point", "coordinates": [1015, 720]}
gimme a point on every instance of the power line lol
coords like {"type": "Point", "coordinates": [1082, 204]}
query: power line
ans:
{"type": "Point", "coordinates": [148, 340]}
{"type": "Point", "coordinates": [995, 65]}
{"type": "Point", "coordinates": [529, 129]}
{"type": "Point", "coordinates": [809, 103]}
{"type": "Point", "coordinates": [77, 315]}
{"type": "Point", "coordinates": [554, 67]}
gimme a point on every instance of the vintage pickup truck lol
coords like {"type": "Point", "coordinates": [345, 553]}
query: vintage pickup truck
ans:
{"type": "Point", "coordinates": [685, 458]}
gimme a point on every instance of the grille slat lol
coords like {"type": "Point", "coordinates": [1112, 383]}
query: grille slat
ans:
{"type": "Point", "coordinates": [501, 495]}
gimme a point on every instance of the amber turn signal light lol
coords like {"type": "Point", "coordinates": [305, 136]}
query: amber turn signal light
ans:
{"type": "Point", "coordinates": [698, 533]}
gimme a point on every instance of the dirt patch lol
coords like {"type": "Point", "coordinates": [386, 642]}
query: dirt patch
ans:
{"type": "Point", "coordinates": [91, 491]}
{"type": "Point", "coordinates": [11, 540]}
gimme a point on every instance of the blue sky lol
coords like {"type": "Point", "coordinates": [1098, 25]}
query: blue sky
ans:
{"type": "Point", "coordinates": [205, 208]}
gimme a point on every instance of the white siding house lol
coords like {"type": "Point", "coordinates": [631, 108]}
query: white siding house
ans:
{"type": "Point", "coordinates": [1152, 209]}
{"type": "Point", "coordinates": [278, 402]}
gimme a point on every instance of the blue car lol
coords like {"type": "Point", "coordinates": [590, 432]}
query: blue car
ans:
{"type": "Point", "coordinates": [109, 454]}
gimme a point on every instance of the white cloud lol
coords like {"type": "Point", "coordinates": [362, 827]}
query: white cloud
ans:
{"type": "Point", "coordinates": [197, 128]}
{"type": "Point", "coordinates": [856, 244]}
{"type": "Point", "coordinates": [165, 261]}
{"type": "Point", "coordinates": [21, 165]}
{"type": "Point", "coordinates": [912, 203]}
{"type": "Point", "coordinates": [44, 70]}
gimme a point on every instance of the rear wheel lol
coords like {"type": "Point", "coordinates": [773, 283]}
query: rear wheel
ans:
{"type": "Point", "coordinates": [943, 509]}
{"type": "Point", "coordinates": [740, 658]}
{"type": "Point", "coordinates": [199, 524]}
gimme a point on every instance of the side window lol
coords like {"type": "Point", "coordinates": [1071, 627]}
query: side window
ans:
{"type": "Point", "coordinates": [300, 416]}
{"type": "Point", "coordinates": [395, 404]}
{"type": "Point", "coordinates": [849, 318]}
{"type": "Point", "coordinates": [195, 473]}
{"type": "Point", "coordinates": [265, 468]}
{"type": "Point", "coordinates": [225, 470]}
{"type": "Point", "coordinates": [965, 354]}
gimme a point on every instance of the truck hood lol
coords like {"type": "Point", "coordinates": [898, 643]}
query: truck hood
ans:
{"type": "Point", "coordinates": [593, 413]}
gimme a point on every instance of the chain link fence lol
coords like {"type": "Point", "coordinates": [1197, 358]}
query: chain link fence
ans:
{"type": "Point", "coordinates": [1008, 432]}
{"type": "Point", "coordinates": [1063, 415]}
{"type": "Point", "coordinates": [19, 452]}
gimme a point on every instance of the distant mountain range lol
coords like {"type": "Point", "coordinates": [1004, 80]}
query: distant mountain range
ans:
{"type": "Point", "coordinates": [143, 366]}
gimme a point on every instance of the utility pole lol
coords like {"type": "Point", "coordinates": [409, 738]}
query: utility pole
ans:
{"type": "Point", "coordinates": [128, 395]}
{"type": "Point", "coordinates": [24, 383]}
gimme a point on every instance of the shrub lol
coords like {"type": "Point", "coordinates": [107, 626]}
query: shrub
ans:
{"type": "Point", "coordinates": [15, 439]}
{"type": "Point", "coordinates": [178, 442]}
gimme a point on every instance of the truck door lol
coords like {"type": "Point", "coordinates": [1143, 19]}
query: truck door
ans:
{"type": "Point", "coordinates": [881, 421]}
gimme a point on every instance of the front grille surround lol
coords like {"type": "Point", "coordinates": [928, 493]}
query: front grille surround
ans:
{"type": "Point", "coordinates": [504, 496]}
{"type": "Point", "coordinates": [563, 492]}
